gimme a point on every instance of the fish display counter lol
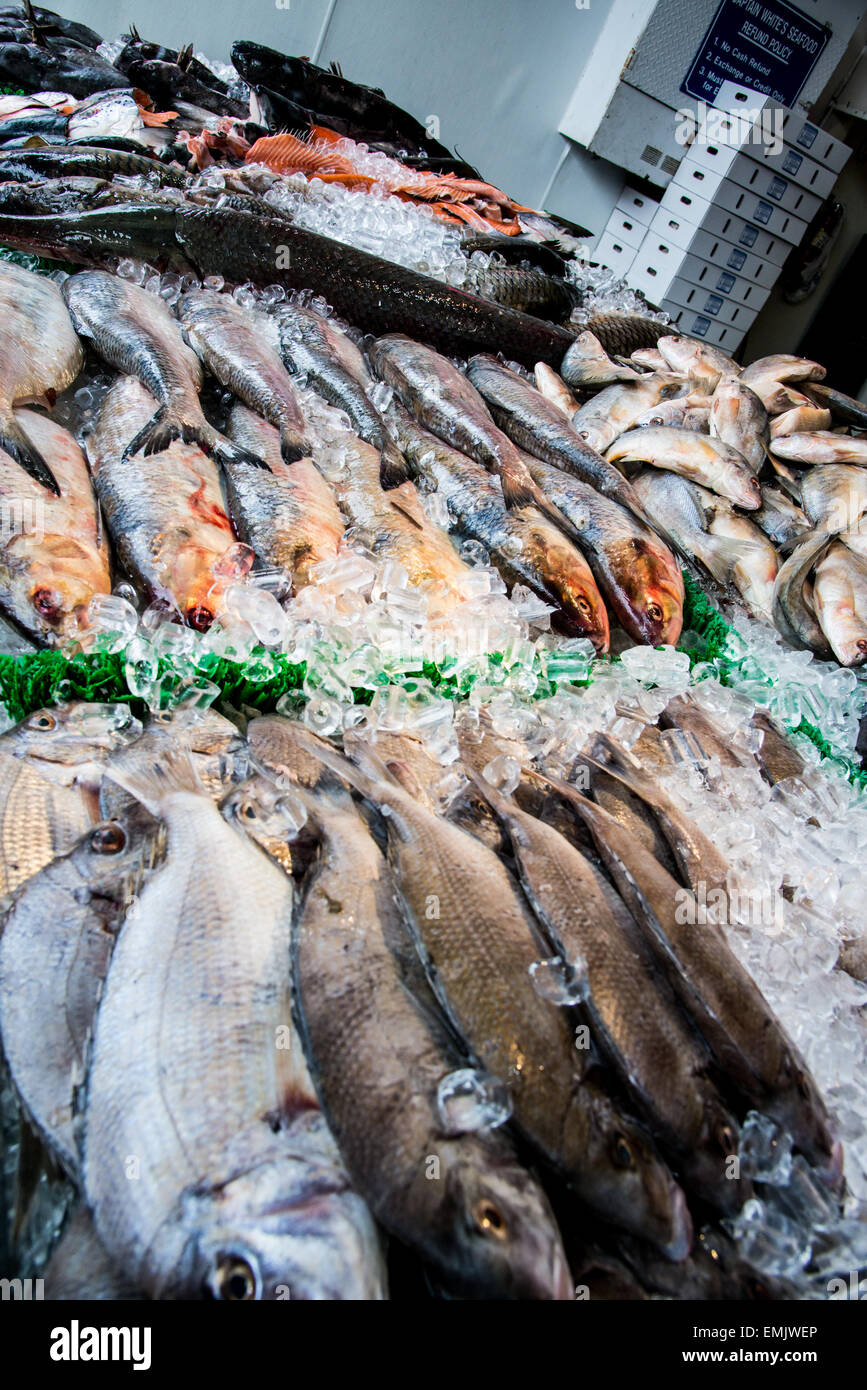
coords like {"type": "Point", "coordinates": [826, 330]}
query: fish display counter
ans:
{"type": "Point", "coordinates": [431, 701]}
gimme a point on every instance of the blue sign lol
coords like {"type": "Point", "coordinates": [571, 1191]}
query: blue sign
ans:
{"type": "Point", "coordinates": [770, 47]}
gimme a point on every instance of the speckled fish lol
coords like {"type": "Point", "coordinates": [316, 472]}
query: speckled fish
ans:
{"type": "Point", "coordinates": [634, 1017]}
{"type": "Point", "coordinates": [53, 555]}
{"type": "Point", "coordinates": [164, 510]}
{"type": "Point", "coordinates": [54, 955]}
{"type": "Point", "coordinates": [198, 1079]}
{"type": "Point", "coordinates": [537, 426]}
{"type": "Point", "coordinates": [703, 364]}
{"type": "Point", "coordinates": [134, 331]}
{"type": "Point", "coordinates": [716, 990]}
{"type": "Point", "coordinates": [478, 947]}
{"type": "Point", "coordinates": [822, 446]}
{"type": "Point", "coordinates": [290, 517]}
{"type": "Point", "coordinates": [707, 461]}
{"type": "Point", "coordinates": [840, 603]}
{"type": "Point", "coordinates": [311, 345]}
{"type": "Point", "coordinates": [52, 765]}
{"type": "Point", "coordinates": [525, 288]}
{"type": "Point", "coordinates": [780, 518]}
{"type": "Point", "coordinates": [639, 577]}
{"type": "Point", "coordinates": [522, 543]}
{"type": "Point", "coordinates": [443, 400]}
{"type": "Point", "coordinates": [587, 365]}
{"type": "Point", "coordinates": [41, 354]}
{"type": "Point", "coordinates": [554, 389]}
{"type": "Point", "coordinates": [79, 1268]}
{"type": "Point", "coordinates": [738, 418]}
{"type": "Point", "coordinates": [379, 1055]}
{"type": "Point", "coordinates": [794, 617]}
{"type": "Point", "coordinates": [234, 349]}
{"type": "Point", "coordinates": [617, 409]}
{"type": "Point", "coordinates": [622, 334]}
{"type": "Point", "coordinates": [802, 419]}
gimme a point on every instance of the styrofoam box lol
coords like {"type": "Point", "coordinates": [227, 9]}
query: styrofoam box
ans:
{"type": "Point", "coordinates": [616, 254]}
{"type": "Point", "coordinates": [746, 234]}
{"type": "Point", "coordinates": [711, 278]}
{"type": "Point", "coordinates": [695, 208]}
{"type": "Point", "coordinates": [793, 128]}
{"type": "Point", "coordinates": [790, 163]}
{"type": "Point", "coordinates": [722, 335]}
{"type": "Point", "coordinates": [658, 262]}
{"type": "Point", "coordinates": [637, 206]}
{"type": "Point", "coordinates": [677, 228]}
{"type": "Point", "coordinates": [625, 229]}
{"type": "Point", "coordinates": [714, 306]}
{"type": "Point", "coordinates": [695, 181]}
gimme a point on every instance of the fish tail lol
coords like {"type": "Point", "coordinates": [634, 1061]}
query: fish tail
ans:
{"type": "Point", "coordinates": [291, 450]}
{"type": "Point", "coordinates": [153, 779]}
{"type": "Point", "coordinates": [161, 430]}
{"type": "Point", "coordinates": [15, 442]}
{"type": "Point", "coordinates": [393, 467]}
{"type": "Point", "coordinates": [224, 451]}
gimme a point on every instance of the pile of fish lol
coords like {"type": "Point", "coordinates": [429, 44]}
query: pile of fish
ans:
{"type": "Point", "coordinates": [480, 1024]}
{"type": "Point", "coordinates": [792, 545]}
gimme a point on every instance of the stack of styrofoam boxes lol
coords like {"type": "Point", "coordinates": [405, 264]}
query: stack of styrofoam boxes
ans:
{"type": "Point", "coordinates": [710, 251]}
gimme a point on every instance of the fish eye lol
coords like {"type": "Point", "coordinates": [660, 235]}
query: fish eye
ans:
{"type": "Point", "coordinates": [234, 1280]}
{"type": "Point", "coordinates": [726, 1139]}
{"type": "Point", "coordinates": [489, 1219]}
{"type": "Point", "coordinates": [247, 810]}
{"type": "Point", "coordinates": [42, 721]}
{"type": "Point", "coordinates": [584, 607]}
{"type": "Point", "coordinates": [108, 839]}
{"type": "Point", "coordinates": [654, 612]}
{"type": "Point", "coordinates": [622, 1152]}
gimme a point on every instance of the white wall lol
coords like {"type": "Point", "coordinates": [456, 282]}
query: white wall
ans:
{"type": "Point", "coordinates": [497, 73]}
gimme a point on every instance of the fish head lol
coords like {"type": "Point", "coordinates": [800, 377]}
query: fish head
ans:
{"type": "Point", "coordinates": [288, 1227]}
{"type": "Point", "coordinates": [712, 1166]}
{"type": "Point", "coordinates": [624, 1176]}
{"type": "Point", "coordinates": [61, 579]}
{"type": "Point", "coordinates": [653, 588]}
{"type": "Point", "coordinates": [112, 858]}
{"type": "Point", "coordinates": [76, 733]}
{"type": "Point", "coordinates": [494, 1234]}
{"type": "Point", "coordinates": [581, 610]}
{"type": "Point", "coordinates": [193, 584]}
{"type": "Point", "coordinates": [799, 1109]}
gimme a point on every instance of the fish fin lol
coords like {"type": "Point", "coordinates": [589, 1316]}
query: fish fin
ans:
{"type": "Point", "coordinates": [185, 57]}
{"type": "Point", "coordinates": [291, 452]}
{"type": "Point", "coordinates": [224, 451]}
{"type": "Point", "coordinates": [155, 437]}
{"type": "Point", "coordinates": [785, 477]}
{"type": "Point", "coordinates": [393, 468]}
{"type": "Point", "coordinates": [518, 494]}
{"type": "Point", "coordinates": [408, 505]}
{"type": "Point", "coordinates": [152, 778]}
{"type": "Point", "coordinates": [18, 446]}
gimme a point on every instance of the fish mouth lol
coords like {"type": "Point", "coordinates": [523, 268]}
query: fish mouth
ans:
{"type": "Point", "coordinates": [680, 1243]}
{"type": "Point", "coordinates": [830, 1174]}
{"type": "Point", "coordinates": [199, 617]}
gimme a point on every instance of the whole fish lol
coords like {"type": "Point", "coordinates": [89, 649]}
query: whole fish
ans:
{"type": "Point", "coordinates": [79, 1267]}
{"type": "Point", "coordinates": [822, 446]}
{"type": "Point", "coordinates": [444, 401]}
{"type": "Point", "coordinates": [840, 603]}
{"type": "Point", "coordinates": [754, 573]}
{"type": "Point", "coordinates": [290, 517]}
{"type": "Point", "coordinates": [639, 577]}
{"type": "Point", "coordinates": [649, 359]}
{"type": "Point", "coordinates": [677, 507]}
{"type": "Point", "coordinates": [703, 364]}
{"type": "Point", "coordinates": [707, 461]}
{"type": "Point", "coordinates": [41, 355]}
{"type": "Point", "coordinates": [684, 412]}
{"type": "Point", "coordinates": [54, 954]}
{"type": "Point", "coordinates": [335, 367]}
{"type": "Point", "coordinates": [52, 764]}
{"type": "Point", "coordinates": [233, 349]}
{"type": "Point", "coordinates": [835, 496]}
{"type": "Point", "coordinates": [91, 161]}
{"type": "Point", "coordinates": [525, 288]}
{"type": "Point", "coordinates": [554, 389]}
{"type": "Point", "coordinates": [622, 334]}
{"type": "Point", "coordinates": [478, 946]}
{"type": "Point", "coordinates": [793, 616]}
{"type": "Point", "coordinates": [241, 1192]}
{"type": "Point", "coordinates": [780, 519]}
{"type": "Point", "coordinates": [635, 1018]}
{"type": "Point", "coordinates": [803, 419]}
{"type": "Point", "coordinates": [523, 545]}
{"type": "Point", "coordinates": [715, 989]}
{"type": "Point", "coordinates": [587, 364]}
{"type": "Point", "coordinates": [164, 510]}
{"type": "Point", "coordinates": [51, 24]}
{"type": "Point", "coordinates": [379, 1057]}
{"type": "Point", "coordinates": [58, 65]}
{"type": "Point", "coordinates": [53, 554]}
{"type": "Point", "coordinates": [738, 418]}
{"type": "Point", "coordinates": [215, 747]}
{"type": "Point", "coordinates": [843, 408]}
{"type": "Point", "coordinates": [394, 524]}
{"type": "Point", "coordinates": [134, 332]}
{"type": "Point", "coordinates": [684, 713]}
{"type": "Point", "coordinates": [782, 367]}
{"type": "Point", "coordinates": [537, 426]}
{"type": "Point", "coordinates": [617, 409]}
